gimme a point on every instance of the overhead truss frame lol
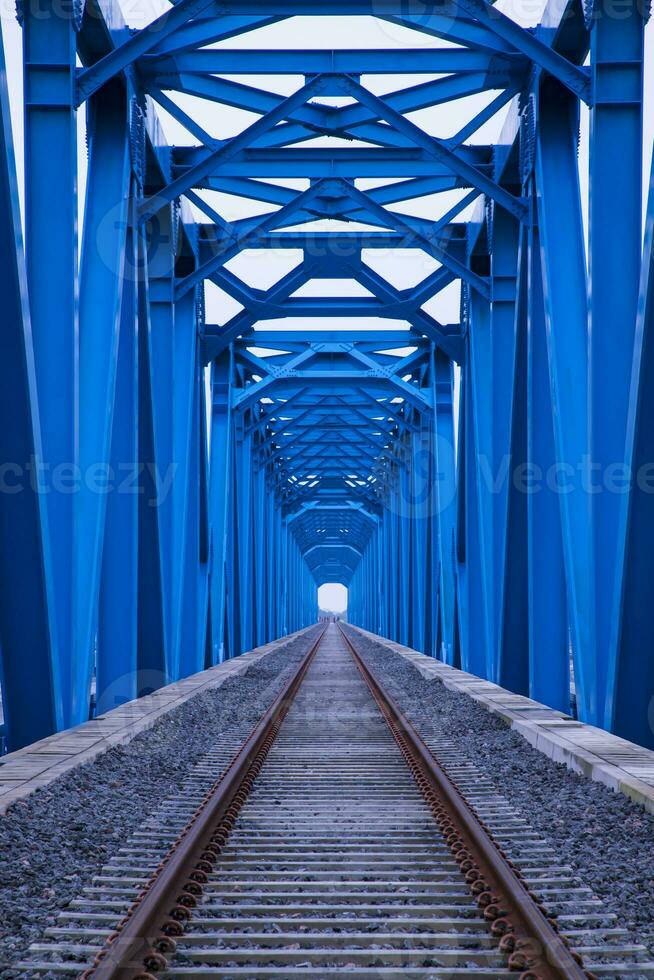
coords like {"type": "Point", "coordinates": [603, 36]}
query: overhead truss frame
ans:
{"type": "Point", "coordinates": [185, 481]}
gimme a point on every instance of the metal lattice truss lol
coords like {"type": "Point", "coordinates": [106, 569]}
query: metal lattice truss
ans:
{"type": "Point", "coordinates": [356, 434]}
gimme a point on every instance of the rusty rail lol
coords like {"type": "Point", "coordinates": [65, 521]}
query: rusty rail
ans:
{"type": "Point", "coordinates": [529, 938]}
{"type": "Point", "coordinates": [145, 938]}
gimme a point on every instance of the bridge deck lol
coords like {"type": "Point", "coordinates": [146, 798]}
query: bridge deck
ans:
{"type": "Point", "coordinates": [621, 765]}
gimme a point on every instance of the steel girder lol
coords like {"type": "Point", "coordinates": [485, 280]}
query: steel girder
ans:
{"type": "Point", "coordinates": [174, 489]}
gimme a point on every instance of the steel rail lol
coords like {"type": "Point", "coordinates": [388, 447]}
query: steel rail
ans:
{"type": "Point", "coordinates": [516, 919]}
{"type": "Point", "coordinates": [146, 936]}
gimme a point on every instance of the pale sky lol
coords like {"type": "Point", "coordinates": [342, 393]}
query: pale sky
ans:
{"type": "Point", "coordinates": [332, 597]}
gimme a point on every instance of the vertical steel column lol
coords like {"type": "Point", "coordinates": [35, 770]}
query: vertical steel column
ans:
{"type": "Point", "coordinates": [480, 474]}
{"type": "Point", "coordinates": [367, 574]}
{"type": "Point", "coordinates": [444, 502]}
{"type": "Point", "coordinates": [275, 562]}
{"type": "Point", "coordinates": [370, 586]}
{"type": "Point", "coordinates": [471, 570]}
{"type": "Point", "coordinates": [291, 594]}
{"type": "Point", "coordinates": [299, 586]}
{"type": "Point", "coordinates": [49, 41]}
{"type": "Point", "coordinates": [232, 574]}
{"type": "Point", "coordinates": [102, 289]}
{"type": "Point", "coordinates": [278, 571]}
{"type": "Point", "coordinates": [395, 595]}
{"type": "Point", "coordinates": [117, 661]}
{"type": "Point", "coordinates": [404, 545]}
{"type": "Point", "coordinates": [190, 641]}
{"type": "Point", "coordinates": [220, 490]}
{"type": "Point", "coordinates": [503, 269]}
{"type": "Point", "coordinates": [549, 670]}
{"type": "Point", "coordinates": [630, 687]}
{"type": "Point", "coordinates": [513, 665]}
{"type": "Point", "coordinates": [283, 579]}
{"type": "Point", "coordinates": [185, 485]}
{"type": "Point", "coordinates": [244, 535]}
{"type": "Point", "coordinates": [204, 635]}
{"type": "Point", "coordinates": [162, 246]}
{"type": "Point", "coordinates": [30, 666]}
{"type": "Point", "coordinates": [376, 584]}
{"type": "Point", "coordinates": [432, 543]}
{"type": "Point", "coordinates": [353, 597]}
{"type": "Point", "coordinates": [461, 533]}
{"type": "Point", "coordinates": [615, 215]}
{"type": "Point", "coordinates": [267, 500]}
{"type": "Point", "coordinates": [382, 600]}
{"type": "Point", "coordinates": [361, 599]}
{"type": "Point", "coordinates": [564, 284]}
{"type": "Point", "coordinates": [420, 495]}
{"type": "Point", "coordinates": [284, 584]}
{"type": "Point", "coordinates": [261, 532]}
{"type": "Point", "coordinates": [390, 570]}
{"type": "Point", "coordinates": [189, 653]}
{"type": "Point", "coordinates": [153, 651]}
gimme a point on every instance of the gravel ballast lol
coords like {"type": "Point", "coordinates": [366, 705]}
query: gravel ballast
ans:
{"type": "Point", "coordinates": [604, 836]}
{"type": "Point", "coordinates": [53, 842]}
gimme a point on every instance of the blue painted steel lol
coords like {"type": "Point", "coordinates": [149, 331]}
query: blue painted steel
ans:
{"type": "Point", "coordinates": [27, 621]}
{"type": "Point", "coordinates": [513, 653]}
{"type": "Point", "coordinates": [52, 256]}
{"type": "Point", "coordinates": [212, 472]}
{"type": "Point", "coordinates": [615, 249]}
{"type": "Point", "coordinates": [563, 270]}
{"type": "Point", "coordinates": [549, 656]}
{"type": "Point", "coordinates": [103, 261]}
{"type": "Point", "coordinates": [221, 438]}
{"type": "Point", "coordinates": [443, 509]}
{"type": "Point", "coordinates": [630, 671]}
{"type": "Point", "coordinates": [117, 645]}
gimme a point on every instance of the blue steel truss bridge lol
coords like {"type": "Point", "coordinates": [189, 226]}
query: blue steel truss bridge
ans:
{"type": "Point", "coordinates": [303, 312]}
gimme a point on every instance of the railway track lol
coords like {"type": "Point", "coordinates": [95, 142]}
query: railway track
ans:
{"type": "Point", "coordinates": [333, 842]}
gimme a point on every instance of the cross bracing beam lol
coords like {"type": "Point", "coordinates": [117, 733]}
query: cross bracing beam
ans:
{"type": "Point", "coordinates": [267, 193]}
{"type": "Point", "coordinates": [436, 149]}
{"type": "Point", "coordinates": [197, 169]}
{"type": "Point", "coordinates": [336, 121]}
{"type": "Point", "coordinates": [332, 452]}
{"type": "Point", "coordinates": [344, 249]}
{"type": "Point", "coordinates": [369, 62]}
{"type": "Point", "coordinates": [330, 458]}
{"type": "Point", "coordinates": [371, 402]}
{"type": "Point", "coordinates": [388, 302]}
{"type": "Point", "coordinates": [331, 414]}
{"type": "Point", "coordinates": [212, 160]}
